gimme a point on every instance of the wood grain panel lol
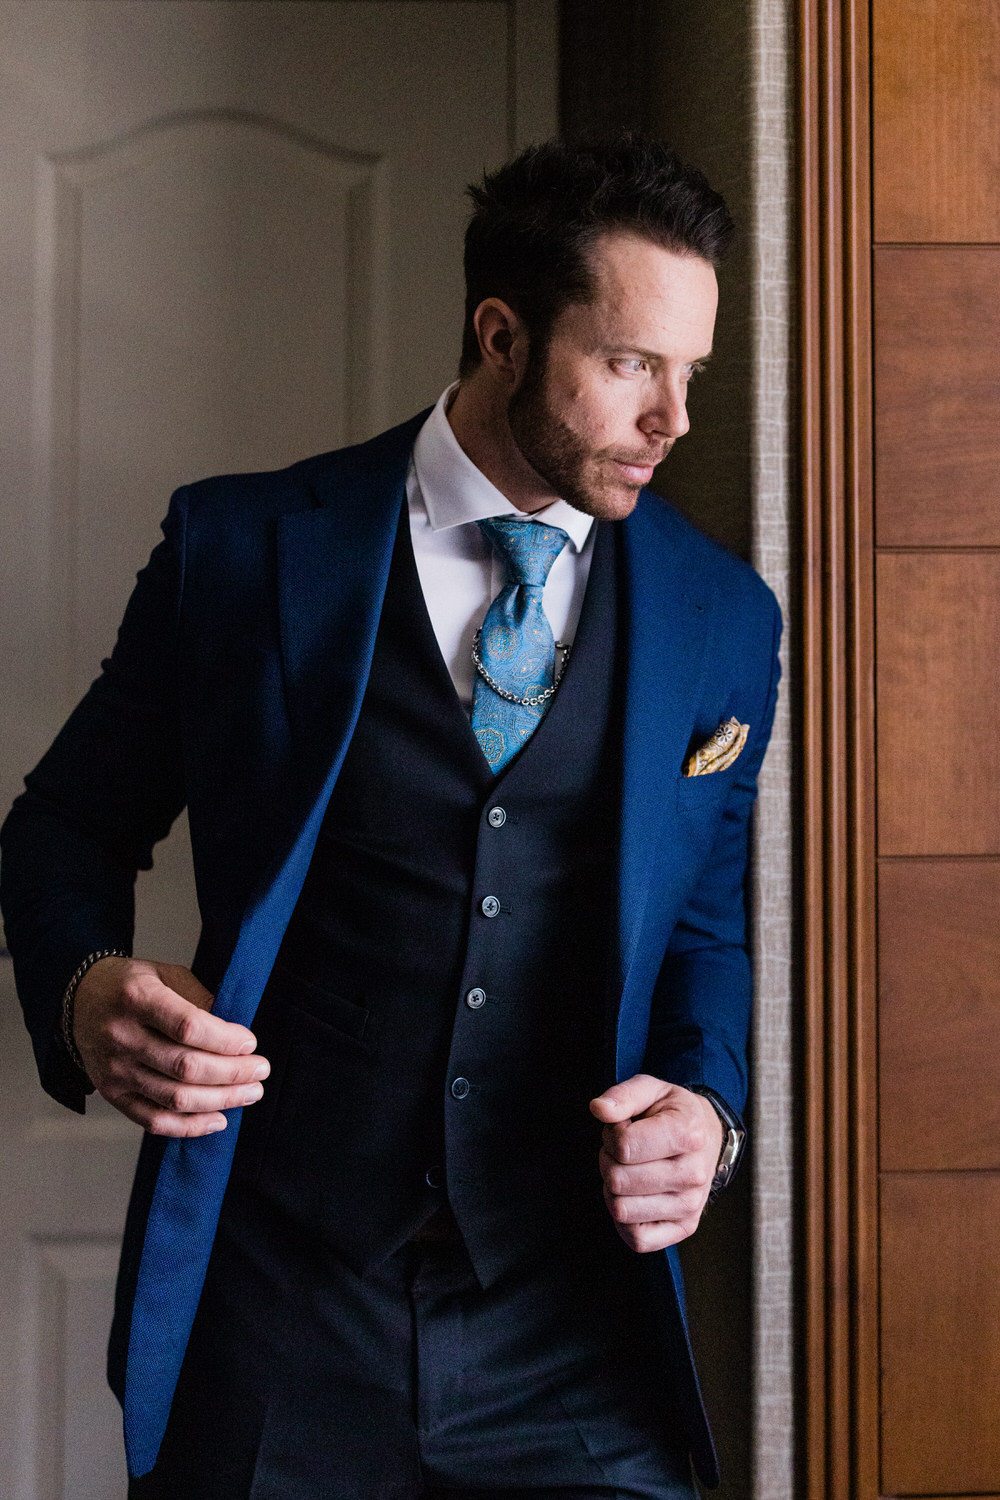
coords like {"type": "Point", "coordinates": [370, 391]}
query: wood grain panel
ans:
{"type": "Point", "coordinates": [940, 1316]}
{"type": "Point", "coordinates": [939, 1014]}
{"type": "Point", "coordinates": [937, 395]}
{"type": "Point", "coordinates": [938, 708]}
{"type": "Point", "coordinates": [936, 83]}
{"type": "Point", "coordinates": [839, 1418]}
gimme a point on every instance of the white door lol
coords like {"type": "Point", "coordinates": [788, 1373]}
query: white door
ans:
{"type": "Point", "coordinates": [230, 236]}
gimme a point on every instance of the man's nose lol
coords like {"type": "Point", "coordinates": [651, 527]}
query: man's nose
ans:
{"type": "Point", "coordinates": [668, 417]}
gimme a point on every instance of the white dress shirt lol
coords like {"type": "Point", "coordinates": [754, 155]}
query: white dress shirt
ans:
{"type": "Point", "coordinates": [459, 572]}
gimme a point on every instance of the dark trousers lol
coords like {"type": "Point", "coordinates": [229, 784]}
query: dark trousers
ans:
{"type": "Point", "coordinates": [305, 1381]}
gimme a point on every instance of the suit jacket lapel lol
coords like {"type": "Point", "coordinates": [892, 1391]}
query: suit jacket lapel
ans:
{"type": "Point", "coordinates": [333, 563]}
{"type": "Point", "coordinates": [666, 622]}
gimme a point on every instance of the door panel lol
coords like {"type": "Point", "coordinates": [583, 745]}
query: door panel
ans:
{"type": "Point", "coordinates": [231, 237]}
{"type": "Point", "coordinates": [937, 395]}
{"type": "Point", "coordinates": [935, 82]}
{"type": "Point", "coordinates": [260, 247]}
{"type": "Point", "coordinates": [937, 703]}
{"type": "Point", "coordinates": [940, 1351]}
{"type": "Point", "coordinates": [939, 1016]}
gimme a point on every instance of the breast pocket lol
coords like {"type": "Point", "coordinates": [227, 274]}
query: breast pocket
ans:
{"type": "Point", "coordinates": [696, 793]}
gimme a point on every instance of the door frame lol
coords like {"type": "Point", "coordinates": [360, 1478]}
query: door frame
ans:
{"type": "Point", "coordinates": [839, 1168]}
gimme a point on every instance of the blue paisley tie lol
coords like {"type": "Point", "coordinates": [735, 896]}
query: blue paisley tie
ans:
{"type": "Point", "coordinates": [516, 655]}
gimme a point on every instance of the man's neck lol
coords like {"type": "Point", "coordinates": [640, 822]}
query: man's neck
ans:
{"type": "Point", "coordinates": [477, 415]}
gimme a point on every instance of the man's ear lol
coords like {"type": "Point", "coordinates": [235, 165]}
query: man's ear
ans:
{"type": "Point", "coordinates": [503, 339]}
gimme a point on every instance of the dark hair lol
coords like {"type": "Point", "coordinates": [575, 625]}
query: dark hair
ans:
{"type": "Point", "coordinates": [536, 218]}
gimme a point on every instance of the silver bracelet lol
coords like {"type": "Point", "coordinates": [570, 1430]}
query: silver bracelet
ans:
{"type": "Point", "coordinates": [70, 996]}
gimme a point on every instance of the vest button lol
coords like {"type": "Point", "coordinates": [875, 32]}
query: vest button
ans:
{"type": "Point", "coordinates": [496, 817]}
{"type": "Point", "coordinates": [475, 998]}
{"type": "Point", "coordinates": [434, 1177]}
{"type": "Point", "coordinates": [460, 1088]}
{"type": "Point", "coordinates": [489, 906]}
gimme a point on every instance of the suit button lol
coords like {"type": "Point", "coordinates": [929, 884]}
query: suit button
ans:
{"type": "Point", "coordinates": [489, 906]}
{"type": "Point", "coordinates": [496, 817]}
{"type": "Point", "coordinates": [460, 1088]}
{"type": "Point", "coordinates": [434, 1177]}
{"type": "Point", "coordinates": [475, 998]}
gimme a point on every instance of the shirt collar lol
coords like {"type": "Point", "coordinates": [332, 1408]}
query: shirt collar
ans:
{"type": "Point", "coordinates": [454, 491]}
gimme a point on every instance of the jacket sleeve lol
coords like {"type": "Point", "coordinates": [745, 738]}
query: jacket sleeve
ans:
{"type": "Point", "coordinates": [700, 1015]}
{"type": "Point", "coordinates": [94, 806]}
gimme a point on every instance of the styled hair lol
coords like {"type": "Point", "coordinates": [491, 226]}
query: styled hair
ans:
{"type": "Point", "coordinates": [536, 218]}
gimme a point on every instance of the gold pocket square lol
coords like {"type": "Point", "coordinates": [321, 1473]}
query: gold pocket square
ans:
{"type": "Point", "coordinates": [720, 751]}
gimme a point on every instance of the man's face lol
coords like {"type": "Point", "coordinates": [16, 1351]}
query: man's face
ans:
{"type": "Point", "coordinates": [605, 401]}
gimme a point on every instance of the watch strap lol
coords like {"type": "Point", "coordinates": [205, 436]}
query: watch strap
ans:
{"type": "Point", "coordinates": [734, 1138]}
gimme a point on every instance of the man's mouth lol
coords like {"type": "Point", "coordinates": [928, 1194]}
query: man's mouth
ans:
{"type": "Point", "coordinates": [635, 473]}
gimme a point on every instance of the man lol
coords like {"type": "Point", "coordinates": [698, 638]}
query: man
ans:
{"type": "Point", "coordinates": [468, 725]}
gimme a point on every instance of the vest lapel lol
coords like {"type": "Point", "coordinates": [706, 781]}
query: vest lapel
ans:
{"type": "Point", "coordinates": [667, 616]}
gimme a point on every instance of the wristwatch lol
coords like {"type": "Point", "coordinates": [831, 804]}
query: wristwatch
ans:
{"type": "Point", "coordinates": [732, 1145]}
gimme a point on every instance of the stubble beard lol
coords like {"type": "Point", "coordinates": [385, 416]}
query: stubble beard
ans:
{"type": "Point", "coordinates": [560, 456]}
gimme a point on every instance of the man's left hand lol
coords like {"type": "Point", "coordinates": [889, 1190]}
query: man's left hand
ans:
{"type": "Point", "coordinates": [661, 1148]}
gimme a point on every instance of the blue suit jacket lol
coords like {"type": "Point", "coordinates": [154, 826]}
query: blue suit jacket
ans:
{"type": "Point", "coordinates": [234, 688]}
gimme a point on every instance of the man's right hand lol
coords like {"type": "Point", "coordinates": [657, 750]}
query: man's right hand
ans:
{"type": "Point", "coordinates": [153, 1049]}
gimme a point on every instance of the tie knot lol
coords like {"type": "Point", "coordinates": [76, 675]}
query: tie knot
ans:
{"type": "Point", "coordinates": [527, 548]}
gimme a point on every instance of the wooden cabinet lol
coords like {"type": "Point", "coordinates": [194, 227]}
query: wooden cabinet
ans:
{"type": "Point", "coordinates": [900, 115]}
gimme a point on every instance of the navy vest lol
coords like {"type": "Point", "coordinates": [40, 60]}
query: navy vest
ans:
{"type": "Point", "coordinates": [435, 1015]}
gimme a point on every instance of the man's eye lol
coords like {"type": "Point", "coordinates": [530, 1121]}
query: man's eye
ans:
{"type": "Point", "coordinates": [631, 366]}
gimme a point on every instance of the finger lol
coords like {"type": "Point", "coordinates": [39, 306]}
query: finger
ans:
{"type": "Point", "coordinates": [189, 1099]}
{"type": "Point", "coordinates": [644, 1238]}
{"type": "Point", "coordinates": [655, 1208]}
{"type": "Point", "coordinates": [631, 1097]}
{"type": "Point", "coordinates": [159, 1121]}
{"type": "Point", "coordinates": [181, 1020]}
{"type": "Point", "coordinates": [192, 1066]}
{"type": "Point", "coordinates": [673, 1175]}
{"type": "Point", "coordinates": [656, 1137]}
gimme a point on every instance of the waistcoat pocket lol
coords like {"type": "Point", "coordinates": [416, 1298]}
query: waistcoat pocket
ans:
{"type": "Point", "coordinates": [320, 1003]}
